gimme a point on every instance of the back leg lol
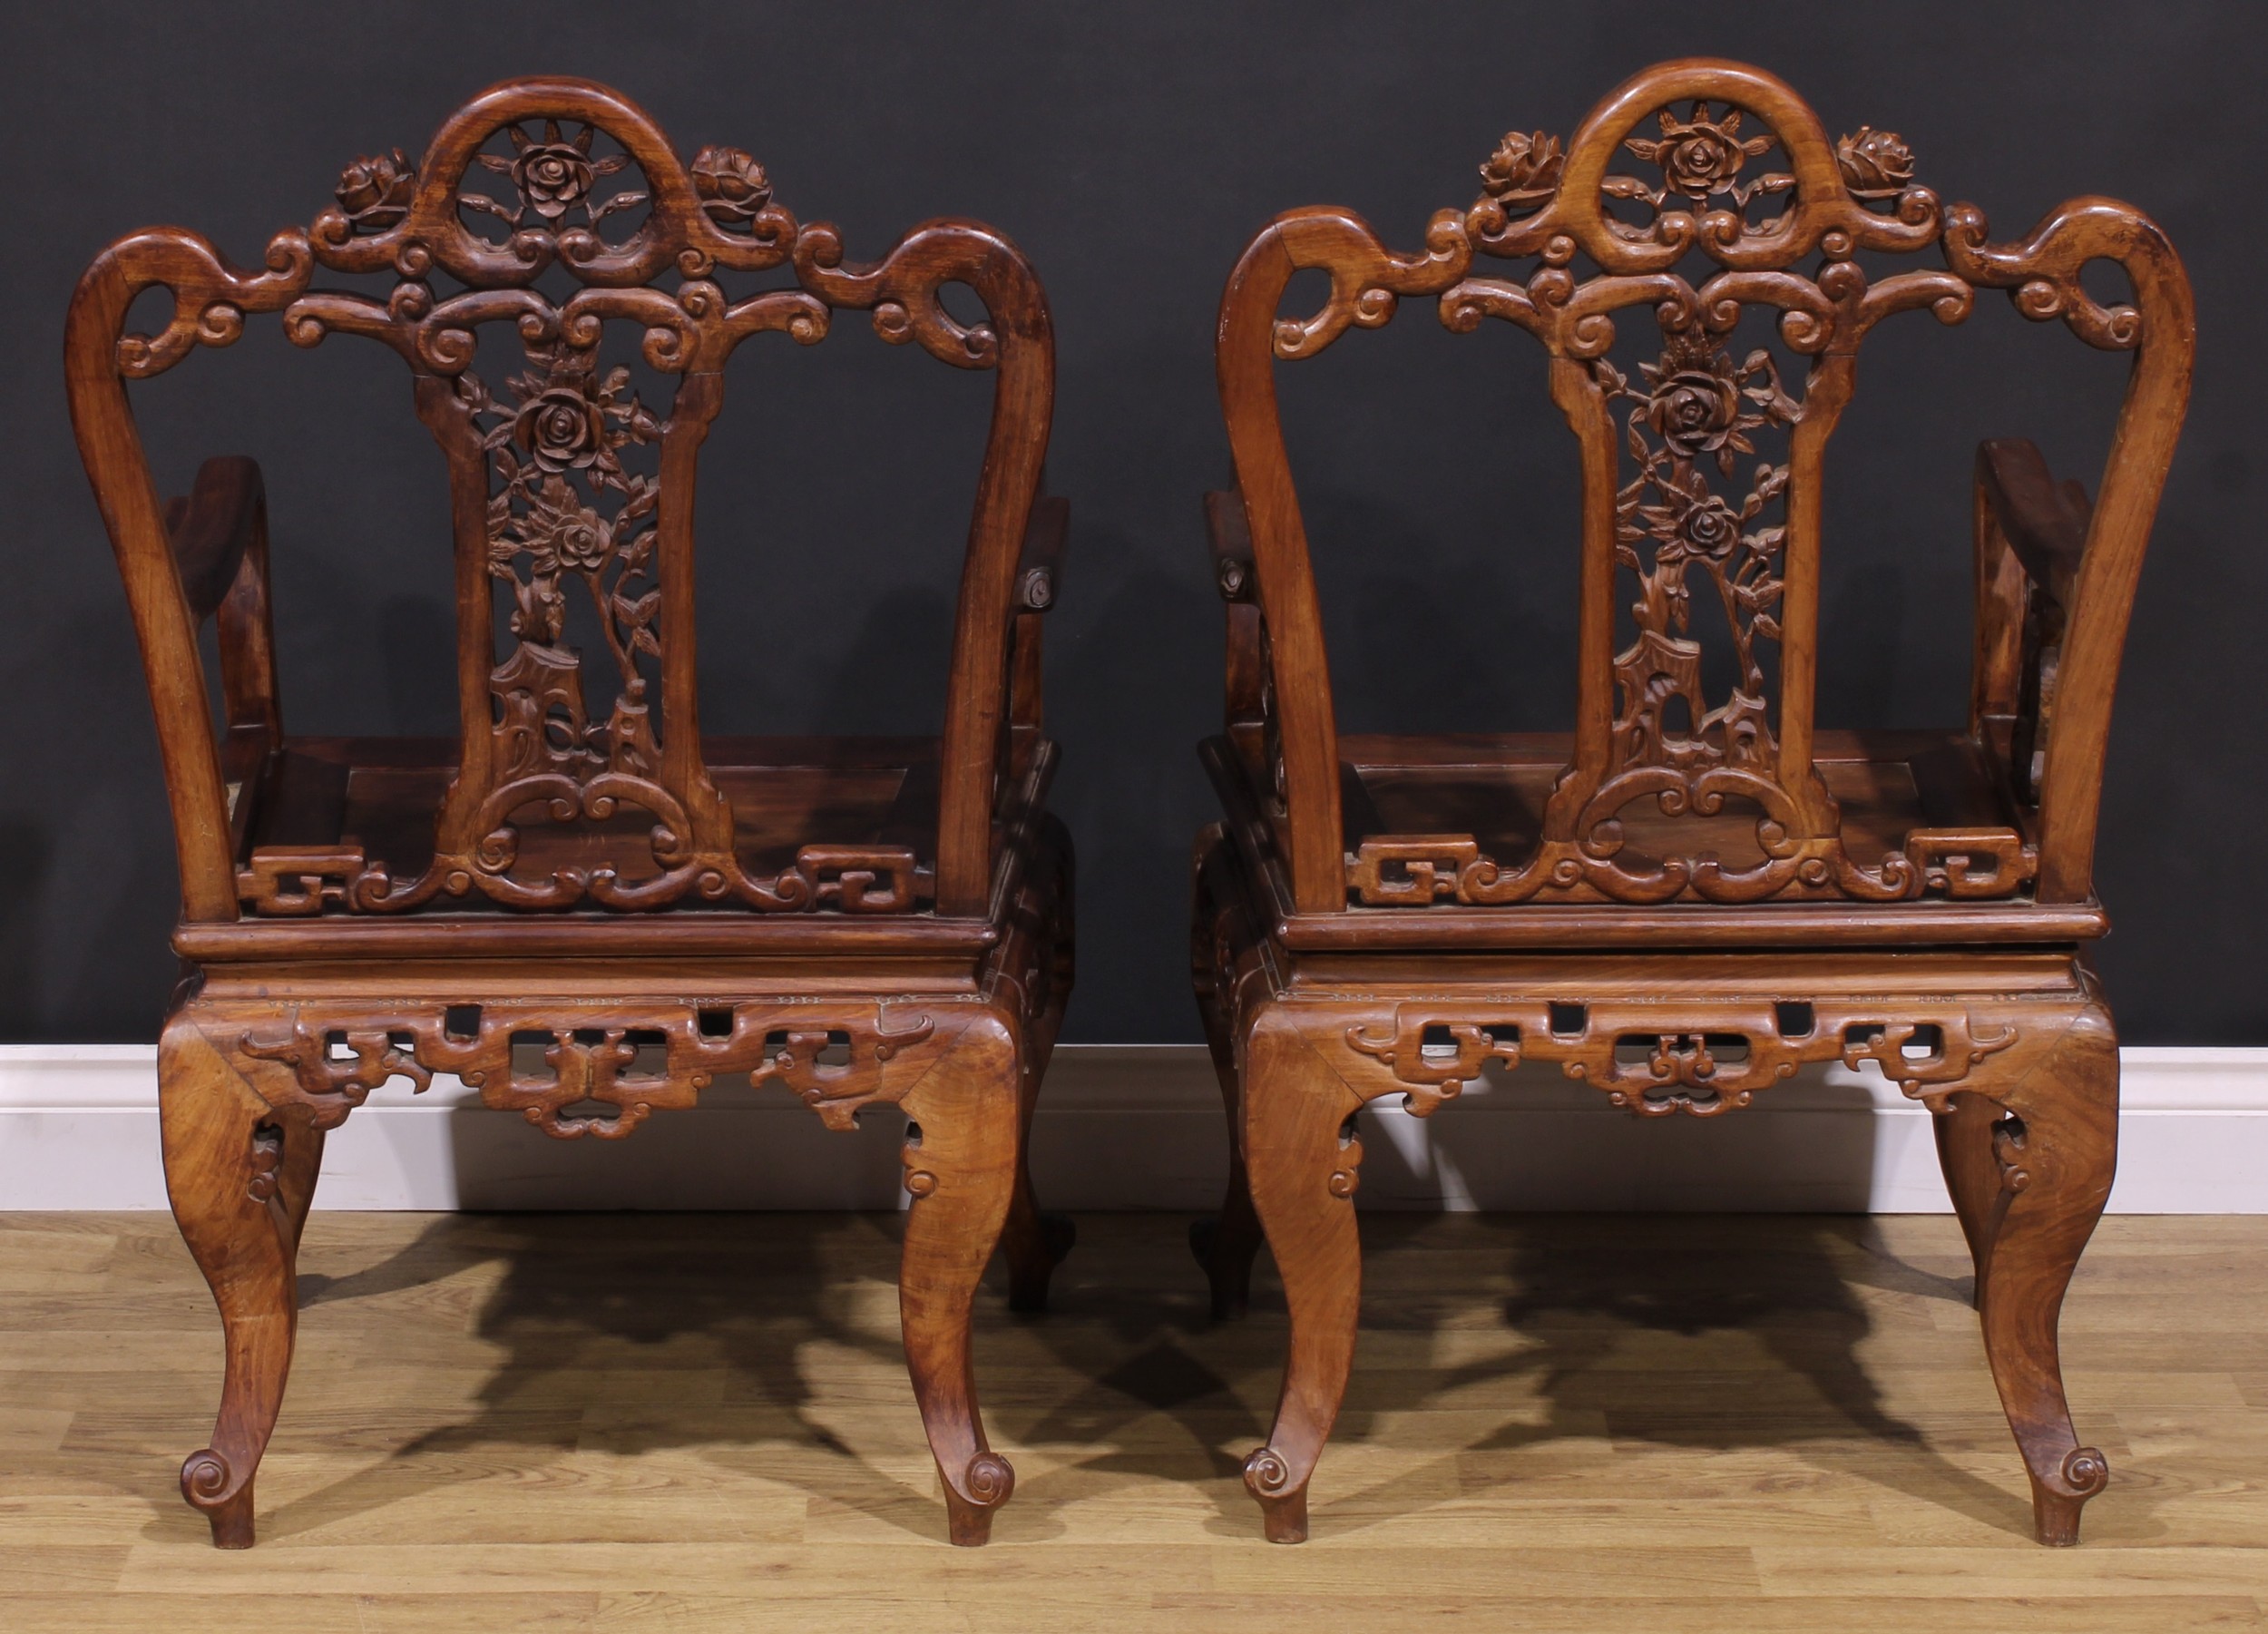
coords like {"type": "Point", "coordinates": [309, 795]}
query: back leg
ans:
{"type": "Point", "coordinates": [1035, 1242]}
{"type": "Point", "coordinates": [1225, 1244]}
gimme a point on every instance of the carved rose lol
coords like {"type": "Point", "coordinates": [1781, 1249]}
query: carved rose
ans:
{"type": "Point", "coordinates": [1694, 411]}
{"type": "Point", "coordinates": [1876, 164]}
{"type": "Point", "coordinates": [732, 186]}
{"type": "Point", "coordinates": [1524, 170]}
{"type": "Point", "coordinates": [1710, 527]}
{"type": "Point", "coordinates": [1699, 156]}
{"type": "Point", "coordinates": [552, 176]}
{"type": "Point", "coordinates": [376, 191]}
{"type": "Point", "coordinates": [561, 429]}
{"type": "Point", "coordinates": [585, 539]}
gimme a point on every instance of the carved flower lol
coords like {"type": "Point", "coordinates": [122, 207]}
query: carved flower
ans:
{"type": "Point", "coordinates": [1876, 164]}
{"type": "Point", "coordinates": [375, 192]}
{"type": "Point", "coordinates": [1709, 526]}
{"type": "Point", "coordinates": [1524, 170]}
{"type": "Point", "coordinates": [732, 186]}
{"type": "Point", "coordinates": [1699, 156]}
{"type": "Point", "coordinates": [551, 175]}
{"type": "Point", "coordinates": [1694, 410]}
{"type": "Point", "coordinates": [560, 427]}
{"type": "Point", "coordinates": [584, 538]}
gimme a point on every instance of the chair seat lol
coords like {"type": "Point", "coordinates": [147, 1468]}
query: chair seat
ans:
{"type": "Point", "coordinates": [1492, 788]}
{"type": "Point", "coordinates": [383, 795]}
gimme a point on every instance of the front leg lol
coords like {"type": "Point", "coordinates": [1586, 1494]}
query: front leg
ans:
{"type": "Point", "coordinates": [240, 1175]}
{"type": "Point", "coordinates": [2055, 1155]}
{"type": "Point", "coordinates": [1304, 1165]}
{"type": "Point", "coordinates": [961, 1167]}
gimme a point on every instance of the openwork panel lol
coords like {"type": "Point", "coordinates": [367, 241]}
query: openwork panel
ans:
{"type": "Point", "coordinates": [1705, 262]}
{"type": "Point", "coordinates": [565, 292]}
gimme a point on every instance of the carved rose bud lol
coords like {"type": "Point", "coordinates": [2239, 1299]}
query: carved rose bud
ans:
{"type": "Point", "coordinates": [1694, 411]}
{"type": "Point", "coordinates": [560, 428]}
{"type": "Point", "coordinates": [732, 186]}
{"type": "Point", "coordinates": [552, 176]}
{"type": "Point", "coordinates": [375, 192]}
{"type": "Point", "coordinates": [1876, 164]}
{"type": "Point", "coordinates": [1524, 170]}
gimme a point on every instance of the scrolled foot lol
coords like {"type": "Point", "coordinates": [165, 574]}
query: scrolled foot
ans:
{"type": "Point", "coordinates": [2058, 1500]}
{"type": "Point", "coordinates": [209, 1485]}
{"type": "Point", "coordinates": [1283, 1507]}
{"type": "Point", "coordinates": [1028, 1280]}
{"type": "Point", "coordinates": [983, 1487]}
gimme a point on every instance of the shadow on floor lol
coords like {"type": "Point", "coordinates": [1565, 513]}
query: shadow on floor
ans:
{"type": "Point", "coordinates": [1620, 1326]}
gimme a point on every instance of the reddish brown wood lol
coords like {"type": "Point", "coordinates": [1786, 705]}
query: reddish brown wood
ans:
{"type": "Point", "coordinates": [1691, 894]}
{"type": "Point", "coordinates": [582, 907]}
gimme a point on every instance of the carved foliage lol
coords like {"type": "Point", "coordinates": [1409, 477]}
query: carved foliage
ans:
{"type": "Point", "coordinates": [1695, 409]}
{"type": "Point", "coordinates": [557, 449]}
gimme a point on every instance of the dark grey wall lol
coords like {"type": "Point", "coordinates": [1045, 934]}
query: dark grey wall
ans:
{"type": "Point", "coordinates": [1132, 151]}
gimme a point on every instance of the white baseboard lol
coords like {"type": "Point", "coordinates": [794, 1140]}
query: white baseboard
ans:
{"type": "Point", "coordinates": [1135, 1126]}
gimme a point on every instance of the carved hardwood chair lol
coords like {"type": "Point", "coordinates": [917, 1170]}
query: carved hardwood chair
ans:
{"type": "Point", "coordinates": [1695, 891]}
{"type": "Point", "coordinates": [582, 907]}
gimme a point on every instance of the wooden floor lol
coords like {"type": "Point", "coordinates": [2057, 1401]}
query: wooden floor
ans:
{"type": "Point", "coordinates": [699, 1422]}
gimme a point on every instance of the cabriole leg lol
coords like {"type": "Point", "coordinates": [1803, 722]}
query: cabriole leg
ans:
{"type": "Point", "coordinates": [240, 1175]}
{"type": "Point", "coordinates": [961, 1167]}
{"type": "Point", "coordinates": [1304, 1171]}
{"type": "Point", "coordinates": [2054, 1154]}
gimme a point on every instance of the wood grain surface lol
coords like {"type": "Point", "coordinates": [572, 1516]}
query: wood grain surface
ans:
{"type": "Point", "coordinates": [695, 1423]}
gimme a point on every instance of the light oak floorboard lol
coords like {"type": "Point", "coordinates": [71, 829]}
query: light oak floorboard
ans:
{"type": "Point", "coordinates": [686, 1423]}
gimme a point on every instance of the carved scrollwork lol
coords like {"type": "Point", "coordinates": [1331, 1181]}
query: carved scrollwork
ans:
{"type": "Point", "coordinates": [596, 1072]}
{"type": "Point", "coordinates": [333, 1070]}
{"type": "Point", "coordinates": [1654, 1059]}
{"type": "Point", "coordinates": [1438, 1053]}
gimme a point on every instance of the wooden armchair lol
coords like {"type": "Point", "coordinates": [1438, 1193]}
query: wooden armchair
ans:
{"type": "Point", "coordinates": [581, 906]}
{"type": "Point", "coordinates": [1695, 891]}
